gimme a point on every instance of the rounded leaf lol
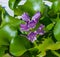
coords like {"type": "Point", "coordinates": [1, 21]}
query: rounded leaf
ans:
{"type": "Point", "coordinates": [19, 46]}
{"type": "Point", "coordinates": [57, 30]}
{"type": "Point", "coordinates": [6, 34]}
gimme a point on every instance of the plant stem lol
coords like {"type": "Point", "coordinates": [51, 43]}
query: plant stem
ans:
{"type": "Point", "coordinates": [56, 53]}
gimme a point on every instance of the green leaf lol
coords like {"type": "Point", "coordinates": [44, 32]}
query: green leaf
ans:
{"type": "Point", "coordinates": [54, 46]}
{"type": "Point", "coordinates": [0, 15]}
{"type": "Point", "coordinates": [56, 7]}
{"type": "Point", "coordinates": [49, 27]}
{"type": "Point", "coordinates": [13, 3]}
{"type": "Point", "coordinates": [31, 6]}
{"type": "Point", "coordinates": [6, 34]}
{"type": "Point", "coordinates": [23, 8]}
{"type": "Point", "coordinates": [44, 45]}
{"type": "Point", "coordinates": [11, 20]}
{"type": "Point", "coordinates": [47, 42]}
{"type": "Point", "coordinates": [57, 30]}
{"type": "Point", "coordinates": [19, 46]}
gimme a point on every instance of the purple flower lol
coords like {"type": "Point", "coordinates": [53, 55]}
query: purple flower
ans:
{"type": "Point", "coordinates": [40, 30]}
{"type": "Point", "coordinates": [32, 36]}
{"type": "Point", "coordinates": [24, 27]}
{"type": "Point", "coordinates": [25, 17]}
{"type": "Point", "coordinates": [36, 17]}
{"type": "Point", "coordinates": [30, 24]}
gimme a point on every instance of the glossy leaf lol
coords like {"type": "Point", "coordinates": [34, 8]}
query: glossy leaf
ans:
{"type": "Point", "coordinates": [13, 3]}
{"type": "Point", "coordinates": [6, 34]}
{"type": "Point", "coordinates": [56, 7]}
{"type": "Point", "coordinates": [2, 11]}
{"type": "Point", "coordinates": [57, 30]}
{"type": "Point", "coordinates": [31, 6]}
{"type": "Point", "coordinates": [11, 20]}
{"type": "Point", "coordinates": [19, 46]}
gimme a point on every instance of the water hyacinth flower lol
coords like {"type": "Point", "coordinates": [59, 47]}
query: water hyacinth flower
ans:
{"type": "Point", "coordinates": [40, 30]}
{"type": "Point", "coordinates": [30, 24]}
{"type": "Point", "coordinates": [36, 17]}
{"type": "Point", "coordinates": [25, 17]}
{"type": "Point", "coordinates": [24, 27]}
{"type": "Point", "coordinates": [32, 36]}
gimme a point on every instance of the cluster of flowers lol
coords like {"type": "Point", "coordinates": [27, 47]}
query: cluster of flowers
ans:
{"type": "Point", "coordinates": [30, 24]}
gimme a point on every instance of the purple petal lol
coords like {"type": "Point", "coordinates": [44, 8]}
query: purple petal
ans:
{"type": "Point", "coordinates": [25, 17]}
{"type": "Point", "coordinates": [24, 27]}
{"type": "Point", "coordinates": [40, 30]}
{"type": "Point", "coordinates": [32, 24]}
{"type": "Point", "coordinates": [41, 26]}
{"type": "Point", "coordinates": [36, 16]}
{"type": "Point", "coordinates": [32, 36]}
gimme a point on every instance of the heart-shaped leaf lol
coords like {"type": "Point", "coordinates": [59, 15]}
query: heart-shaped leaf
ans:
{"type": "Point", "coordinates": [19, 46]}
